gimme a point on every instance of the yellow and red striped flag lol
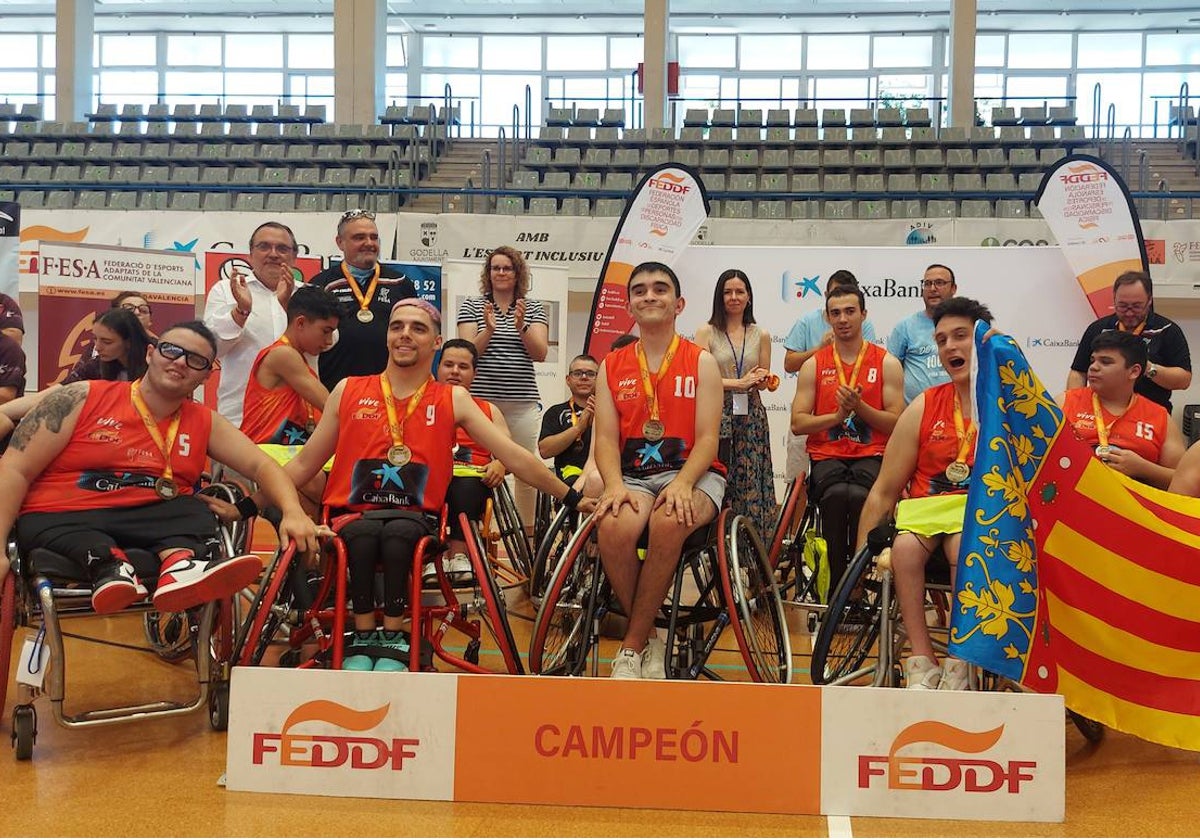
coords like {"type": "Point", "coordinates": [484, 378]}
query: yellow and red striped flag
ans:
{"type": "Point", "coordinates": [1073, 578]}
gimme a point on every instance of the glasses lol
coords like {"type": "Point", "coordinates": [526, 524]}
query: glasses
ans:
{"type": "Point", "coordinates": [503, 269]}
{"type": "Point", "coordinates": [1129, 307]}
{"type": "Point", "coordinates": [935, 284]}
{"type": "Point", "coordinates": [195, 361]}
{"type": "Point", "coordinates": [351, 215]}
{"type": "Point", "coordinates": [140, 310]}
{"type": "Point", "coordinates": [583, 374]}
{"type": "Point", "coordinates": [268, 247]}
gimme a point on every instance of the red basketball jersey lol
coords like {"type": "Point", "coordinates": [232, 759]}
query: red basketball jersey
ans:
{"type": "Point", "coordinates": [854, 439]}
{"type": "Point", "coordinates": [275, 415]}
{"type": "Point", "coordinates": [1141, 429]}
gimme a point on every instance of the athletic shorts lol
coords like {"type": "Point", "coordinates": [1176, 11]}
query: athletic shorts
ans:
{"type": "Point", "coordinates": [711, 484]}
{"type": "Point", "coordinates": [930, 516]}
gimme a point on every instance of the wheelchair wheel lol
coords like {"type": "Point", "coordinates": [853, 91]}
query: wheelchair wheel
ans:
{"type": "Point", "coordinates": [550, 550]}
{"type": "Point", "coordinates": [24, 732]}
{"type": "Point", "coordinates": [268, 611]}
{"type": "Point", "coordinates": [512, 530]}
{"type": "Point", "coordinates": [170, 635]}
{"type": "Point", "coordinates": [543, 515]}
{"type": "Point", "coordinates": [8, 629]}
{"type": "Point", "coordinates": [495, 610]}
{"type": "Point", "coordinates": [784, 531]}
{"type": "Point", "coordinates": [562, 631]}
{"type": "Point", "coordinates": [849, 633]}
{"type": "Point", "coordinates": [755, 609]}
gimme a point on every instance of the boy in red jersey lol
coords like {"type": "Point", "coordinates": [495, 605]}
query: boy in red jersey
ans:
{"type": "Point", "coordinates": [848, 398]}
{"type": "Point", "coordinates": [394, 436]}
{"type": "Point", "coordinates": [97, 467]}
{"type": "Point", "coordinates": [1129, 432]}
{"type": "Point", "coordinates": [931, 453]}
{"type": "Point", "coordinates": [655, 439]}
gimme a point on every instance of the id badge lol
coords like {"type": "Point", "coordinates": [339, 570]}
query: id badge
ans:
{"type": "Point", "coordinates": [35, 656]}
{"type": "Point", "coordinates": [741, 405]}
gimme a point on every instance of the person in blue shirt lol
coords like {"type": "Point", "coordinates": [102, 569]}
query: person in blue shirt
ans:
{"type": "Point", "coordinates": [811, 331]}
{"type": "Point", "coordinates": [912, 339]}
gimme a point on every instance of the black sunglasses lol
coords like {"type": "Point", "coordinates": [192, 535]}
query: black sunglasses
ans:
{"type": "Point", "coordinates": [195, 361]}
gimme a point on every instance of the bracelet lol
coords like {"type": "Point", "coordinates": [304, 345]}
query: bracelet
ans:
{"type": "Point", "coordinates": [572, 498]}
{"type": "Point", "coordinates": [247, 508]}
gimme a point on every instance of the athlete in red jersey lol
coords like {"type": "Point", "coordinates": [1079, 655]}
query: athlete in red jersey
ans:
{"type": "Point", "coordinates": [932, 452]}
{"type": "Point", "coordinates": [476, 471]}
{"type": "Point", "coordinates": [848, 397]}
{"type": "Point", "coordinates": [284, 397]}
{"type": "Point", "coordinates": [1129, 432]}
{"type": "Point", "coordinates": [658, 412]}
{"type": "Point", "coordinates": [394, 436]}
{"type": "Point", "coordinates": [97, 467]}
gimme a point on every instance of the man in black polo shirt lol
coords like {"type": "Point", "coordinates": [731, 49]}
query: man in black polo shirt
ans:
{"type": "Point", "coordinates": [1170, 366]}
{"type": "Point", "coordinates": [367, 290]}
{"type": "Point", "coordinates": [567, 427]}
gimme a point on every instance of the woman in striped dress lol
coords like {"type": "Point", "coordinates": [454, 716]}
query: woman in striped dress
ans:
{"type": "Point", "coordinates": [511, 332]}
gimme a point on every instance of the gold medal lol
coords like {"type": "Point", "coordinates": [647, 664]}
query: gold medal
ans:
{"type": "Point", "coordinates": [165, 488]}
{"type": "Point", "coordinates": [1103, 451]}
{"type": "Point", "coordinates": [653, 430]}
{"type": "Point", "coordinates": [958, 472]}
{"type": "Point", "coordinates": [399, 455]}
{"type": "Point", "coordinates": [365, 316]}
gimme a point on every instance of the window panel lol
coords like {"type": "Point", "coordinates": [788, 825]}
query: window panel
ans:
{"type": "Point", "coordinates": [191, 50]}
{"type": "Point", "coordinates": [500, 92]}
{"type": "Point", "coordinates": [772, 52]}
{"type": "Point", "coordinates": [19, 50]}
{"type": "Point", "coordinates": [840, 93]}
{"type": "Point", "coordinates": [397, 51]}
{"type": "Point", "coordinates": [462, 85]}
{"type": "Point", "coordinates": [128, 86]}
{"type": "Point", "coordinates": [49, 55]}
{"type": "Point", "coordinates": [19, 84]}
{"type": "Point", "coordinates": [253, 88]}
{"type": "Point", "coordinates": [625, 53]}
{"type": "Point", "coordinates": [1160, 87]}
{"type": "Point", "coordinates": [576, 53]}
{"type": "Point", "coordinates": [903, 51]}
{"type": "Point", "coordinates": [838, 52]}
{"type": "Point", "coordinates": [1110, 49]}
{"type": "Point", "coordinates": [315, 51]}
{"type": "Point", "coordinates": [1173, 49]}
{"type": "Point", "coordinates": [1125, 89]}
{"type": "Point", "coordinates": [903, 88]}
{"type": "Point", "coordinates": [128, 50]}
{"type": "Point", "coordinates": [708, 51]}
{"type": "Point", "coordinates": [1038, 50]}
{"type": "Point", "coordinates": [989, 50]}
{"type": "Point", "coordinates": [444, 51]}
{"type": "Point", "coordinates": [512, 52]}
{"type": "Point", "coordinates": [698, 86]}
{"type": "Point", "coordinates": [190, 87]}
{"type": "Point", "coordinates": [396, 88]}
{"type": "Point", "coordinates": [760, 93]}
{"type": "Point", "coordinates": [254, 51]}
{"type": "Point", "coordinates": [1031, 91]}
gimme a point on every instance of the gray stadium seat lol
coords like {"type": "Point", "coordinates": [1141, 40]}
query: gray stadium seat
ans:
{"type": "Point", "coordinates": [580, 135]}
{"type": "Point", "coordinates": [861, 118]}
{"type": "Point", "coordinates": [59, 200]}
{"type": "Point", "coordinates": [806, 159]}
{"type": "Point", "coordinates": [773, 182]}
{"type": "Point", "coordinates": [215, 201]}
{"type": "Point", "coordinates": [897, 159]}
{"type": "Point", "coordinates": [778, 118]}
{"type": "Point", "coordinates": [280, 202]}
{"type": "Point", "coordinates": [91, 200]}
{"type": "Point", "coordinates": [893, 137]}
{"type": "Point", "coordinates": [575, 207]}
{"type": "Point", "coordinates": [524, 180]}
{"type": "Point", "coordinates": [833, 135]}
{"type": "Point", "coordinates": [559, 117]}
{"type": "Point", "coordinates": [775, 159]}
{"type": "Point", "coordinates": [774, 209]}
{"type": "Point", "coordinates": [214, 175]}
{"type": "Point", "coordinates": [835, 159]}
{"type": "Point", "coordinates": [876, 209]}
{"type": "Point", "coordinates": [833, 117]}
{"type": "Point", "coordinates": [695, 118]}
{"type": "Point", "coordinates": [868, 183]}
{"type": "Point", "coordinates": [862, 136]}
{"type": "Point", "coordinates": [805, 118]}
{"type": "Point", "coordinates": [838, 209]}
{"type": "Point", "coordinates": [960, 158]}
{"type": "Point", "coordinates": [543, 207]}
{"type": "Point", "coordinates": [1011, 208]}
{"type": "Point", "coordinates": [122, 200]}
{"type": "Point", "coordinates": [587, 118]}
{"type": "Point", "coordinates": [249, 201]}
{"type": "Point", "coordinates": [935, 182]}
{"type": "Point", "coordinates": [1004, 116]}
{"type": "Point", "coordinates": [917, 117]}
{"type": "Point", "coordinates": [613, 118]}
{"type": "Point", "coordinates": [737, 210]}
{"type": "Point", "coordinates": [836, 184]}
{"type": "Point", "coordinates": [723, 118]}
{"type": "Point", "coordinates": [713, 181]}
{"type": "Point", "coordinates": [609, 207]}
{"type": "Point", "coordinates": [653, 157]}
{"type": "Point", "coordinates": [889, 117]}
{"type": "Point", "coordinates": [1029, 181]}
{"type": "Point", "coordinates": [941, 209]}
{"type": "Point", "coordinates": [906, 208]}
{"type": "Point", "coordinates": [556, 181]}
{"type": "Point", "coordinates": [32, 198]}
{"type": "Point", "coordinates": [185, 201]}
{"type": "Point", "coordinates": [866, 159]}
{"type": "Point", "coordinates": [975, 209]}
{"type": "Point", "coordinates": [967, 182]}
{"type": "Point", "coordinates": [1000, 182]}
{"type": "Point", "coordinates": [778, 135]}
{"type": "Point", "coordinates": [586, 181]}
{"type": "Point", "coordinates": [714, 159]}
{"type": "Point", "coordinates": [744, 159]}
{"type": "Point", "coordinates": [597, 158]}
{"type": "Point", "coordinates": [992, 159]}
{"type": "Point", "coordinates": [902, 182]}
{"type": "Point", "coordinates": [607, 136]}
{"type": "Point", "coordinates": [622, 181]}
{"type": "Point", "coordinates": [806, 182]}
{"type": "Point", "coordinates": [1023, 159]}
{"type": "Point", "coordinates": [742, 182]}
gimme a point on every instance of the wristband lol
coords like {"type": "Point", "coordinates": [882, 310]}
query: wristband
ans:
{"type": "Point", "coordinates": [247, 508]}
{"type": "Point", "coordinates": [572, 498]}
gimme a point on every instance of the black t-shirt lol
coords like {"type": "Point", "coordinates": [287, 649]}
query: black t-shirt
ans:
{"type": "Point", "coordinates": [362, 348]}
{"type": "Point", "coordinates": [10, 314]}
{"type": "Point", "coordinates": [1166, 345]}
{"type": "Point", "coordinates": [12, 365]}
{"type": "Point", "coordinates": [556, 421]}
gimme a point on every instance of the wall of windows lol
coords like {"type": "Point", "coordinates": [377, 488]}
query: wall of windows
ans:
{"type": "Point", "coordinates": [488, 73]}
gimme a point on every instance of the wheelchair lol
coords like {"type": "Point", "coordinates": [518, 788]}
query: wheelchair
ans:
{"type": "Point", "coordinates": [301, 614]}
{"type": "Point", "coordinates": [44, 588]}
{"type": "Point", "coordinates": [723, 579]}
{"type": "Point", "coordinates": [554, 525]}
{"type": "Point", "coordinates": [797, 551]}
{"type": "Point", "coordinates": [861, 641]}
{"type": "Point", "coordinates": [502, 526]}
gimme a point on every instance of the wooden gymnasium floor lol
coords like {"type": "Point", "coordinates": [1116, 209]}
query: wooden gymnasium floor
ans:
{"type": "Point", "coordinates": [160, 778]}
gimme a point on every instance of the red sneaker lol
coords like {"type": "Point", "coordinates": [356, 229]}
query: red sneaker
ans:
{"type": "Point", "coordinates": [187, 581]}
{"type": "Point", "coordinates": [115, 588]}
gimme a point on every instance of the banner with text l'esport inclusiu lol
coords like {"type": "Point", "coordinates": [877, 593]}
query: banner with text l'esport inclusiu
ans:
{"type": "Point", "coordinates": [1090, 211]}
{"type": "Point", "coordinates": [662, 215]}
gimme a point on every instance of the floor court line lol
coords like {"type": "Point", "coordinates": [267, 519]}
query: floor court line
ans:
{"type": "Point", "coordinates": [839, 826]}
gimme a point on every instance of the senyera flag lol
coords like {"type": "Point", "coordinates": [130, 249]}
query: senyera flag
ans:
{"type": "Point", "coordinates": [1092, 215]}
{"type": "Point", "coordinates": [661, 216]}
{"type": "Point", "coordinates": [1072, 578]}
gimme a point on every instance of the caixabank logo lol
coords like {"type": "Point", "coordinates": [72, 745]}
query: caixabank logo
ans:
{"type": "Point", "coordinates": [917, 769]}
{"type": "Point", "coordinates": [288, 748]}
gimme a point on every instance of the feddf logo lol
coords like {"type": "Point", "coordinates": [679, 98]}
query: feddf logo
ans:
{"type": "Point", "coordinates": [359, 752]}
{"type": "Point", "coordinates": [943, 773]}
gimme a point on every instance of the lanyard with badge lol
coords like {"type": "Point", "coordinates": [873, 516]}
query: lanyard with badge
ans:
{"type": "Point", "coordinates": [399, 454]}
{"type": "Point", "coordinates": [1104, 449]}
{"type": "Point", "coordinates": [164, 485]}
{"type": "Point", "coordinates": [958, 471]}
{"type": "Point", "coordinates": [741, 399]}
{"type": "Point", "coordinates": [653, 429]}
{"type": "Point", "coordinates": [364, 313]}
{"type": "Point", "coordinates": [852, 382]}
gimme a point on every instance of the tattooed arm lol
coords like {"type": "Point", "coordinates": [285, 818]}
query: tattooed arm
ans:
{"type": "Point", "coordinates": [37, 440]}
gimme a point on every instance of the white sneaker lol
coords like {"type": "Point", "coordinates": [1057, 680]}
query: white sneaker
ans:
{"type": "Point", "coordinates": [921, 673]}
{"type": "Point", "coordinates": [461, 572]}
{"type": "Point", "coordinates": [955, 675]}
{"type": "Point", "coordinates": [627, 665]}
{"type": "Point", "coordinates": [654, 659]}
{"type": "Point", "coordinates": [429, 576]}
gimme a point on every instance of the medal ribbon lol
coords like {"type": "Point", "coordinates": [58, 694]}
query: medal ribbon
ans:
{"type": "Point", "coordinates": [396, 427]}
{"type": "Point", "coordinates": [165, 445]}
{"type": "Point", "coordinates": [965, 436]}
{"type": "Point", "coordinates": [841, 373]}
{"type": "Point", "coordinates": [574, 414]}
{"type": "Point", "coordinates": [364, 300]}
{"type": "Point", "coordinates": [650, 385]}
{"type": "Point", "coordinates": [1098, 411]}
{"type": "Point", "coordinates": [311, 422]}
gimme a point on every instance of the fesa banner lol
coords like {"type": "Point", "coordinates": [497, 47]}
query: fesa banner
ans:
{"type": "Point", "coordinates": [76, 283]}
{"type": "Point", "coordinates": [666, 209]}
{"type": "Point", "coordinates": [1090, 211]}
{"type": "Point", "coordinates": [692, 746]}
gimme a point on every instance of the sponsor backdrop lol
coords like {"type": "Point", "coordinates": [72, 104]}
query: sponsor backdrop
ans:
{"type": "Point", "coordinates": [599, 742]}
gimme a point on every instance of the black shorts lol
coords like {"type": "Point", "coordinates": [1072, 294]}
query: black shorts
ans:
{"type": "Point", "coordinates": [827, 472]}
{"type": "Point", "coordinates": [184, 522]}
